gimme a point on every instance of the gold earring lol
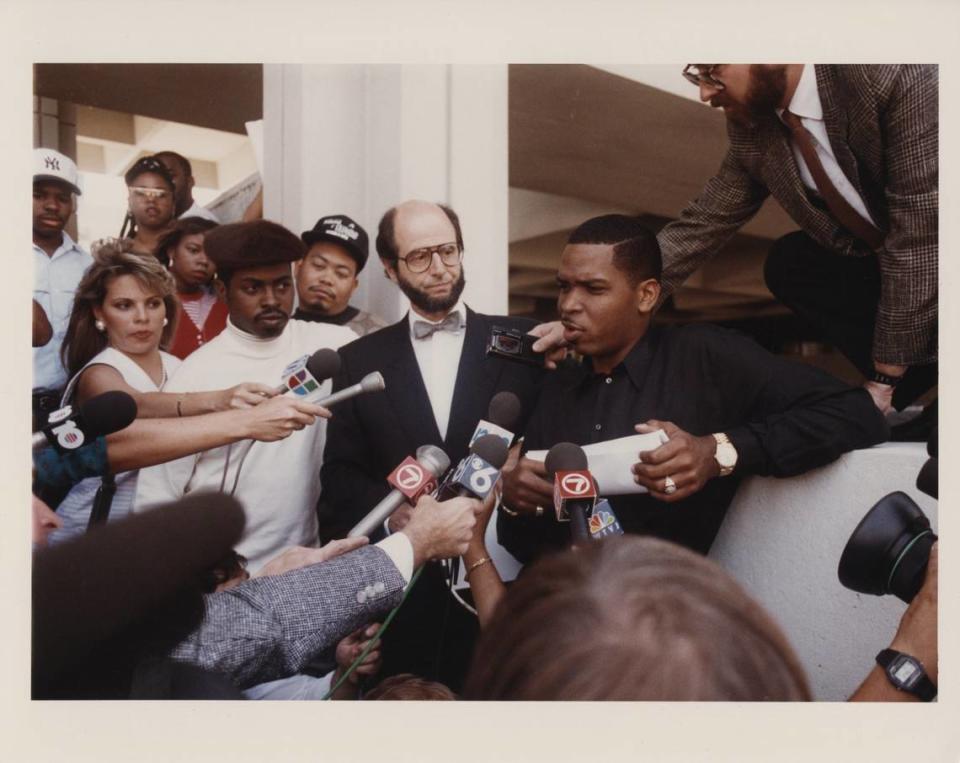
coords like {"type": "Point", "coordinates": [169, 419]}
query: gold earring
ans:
{"type": "Point", "coordinates": [101, 326]}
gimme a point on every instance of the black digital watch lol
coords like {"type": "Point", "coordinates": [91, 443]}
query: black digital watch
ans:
{"type": "Point", "coordinates": [907, 674]}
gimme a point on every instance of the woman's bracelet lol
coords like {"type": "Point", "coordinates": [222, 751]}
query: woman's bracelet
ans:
{"type": "Point", "coordinates": [479, 563]}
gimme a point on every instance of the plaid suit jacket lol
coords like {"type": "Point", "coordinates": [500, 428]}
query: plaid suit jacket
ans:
{"type": "Point", "coordinates": [883, 126]}
{"type": "Point", "coordinates": [271, 627]}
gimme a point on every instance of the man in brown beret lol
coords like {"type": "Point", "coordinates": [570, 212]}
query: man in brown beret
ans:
{"type": "Point", "coordinates": [278, 483]}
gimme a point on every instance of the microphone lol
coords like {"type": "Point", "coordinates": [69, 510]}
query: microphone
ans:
{"type": "Point", "coordinates": [411, 479]}
{"type": "Point", "coordinates": [130, 583]}
{"type": "Point", "coordinates": [104, 414]}
{"type": "Point", "coordinates": [574, 493]}
{"type": "Point", "coordinates": [304, 376]}
{"type": "Point", "coordinates": [372, 382]}
{"type": "Point", "coordinates": [503, 414]}
{"type": "Point", "coordinates": [479, 471]}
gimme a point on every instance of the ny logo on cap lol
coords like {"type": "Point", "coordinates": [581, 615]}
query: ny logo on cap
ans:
{"type": "Point", "coordinates": [52, 163]}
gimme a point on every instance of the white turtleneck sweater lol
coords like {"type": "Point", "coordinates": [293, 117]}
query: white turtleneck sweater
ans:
{"type": "Point", "coordinates": [279, 482]}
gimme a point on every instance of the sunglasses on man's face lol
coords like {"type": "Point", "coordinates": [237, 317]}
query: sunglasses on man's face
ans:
{"type": "Point", "coordinates": [142, 192]}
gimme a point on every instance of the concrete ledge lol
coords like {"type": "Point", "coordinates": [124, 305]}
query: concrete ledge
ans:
{"type": "Point", "coordinates": [782, 539]}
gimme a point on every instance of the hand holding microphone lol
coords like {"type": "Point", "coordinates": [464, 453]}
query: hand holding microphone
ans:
{"type": "Point", "coordinates": [279, 417]}
{"type": "Point", "coordinates": [441, 530]}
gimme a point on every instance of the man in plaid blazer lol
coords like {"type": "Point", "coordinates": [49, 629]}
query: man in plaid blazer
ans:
{"type": "Point", "coordinates": [872, 129]}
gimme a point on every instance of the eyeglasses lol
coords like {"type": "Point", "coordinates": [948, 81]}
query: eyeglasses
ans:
{"type": "Point", "coordinates": [702, 74]}
{"type": "Point", "coordinates": [419, 260]}
{"type": "Point", "coordinates": [148, 193]}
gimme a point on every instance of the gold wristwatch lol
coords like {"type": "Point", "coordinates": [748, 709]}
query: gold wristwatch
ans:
{"type": "Point", "coordinates": [726, 454]}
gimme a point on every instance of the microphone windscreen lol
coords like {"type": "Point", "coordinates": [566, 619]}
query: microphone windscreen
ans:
{"type": "Point", "coordinates": [565, 457]}
{"type": "Point", "coordinates": [108, 412]}
{"type": "Point", "coordinates": [88, 589]}
{"type": "Point", "coordinates": [504, 410]}
{"type": "Point", "coordinates": [323, 364]}
{"type": "Point", "coordinates": [491, 449]}
{"type": "Point", "coordinates": [433, 459]}
{"type": "Point", "coordinates": [373, 382]}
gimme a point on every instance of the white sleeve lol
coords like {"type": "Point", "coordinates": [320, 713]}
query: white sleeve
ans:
{"type": "Point", "coordinates": [400, 550]}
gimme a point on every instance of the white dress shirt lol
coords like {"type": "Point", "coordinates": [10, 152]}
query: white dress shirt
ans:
{"type": "Point", "coordinates": [438, 356]}
{"type": "Point", "coordinates": [806, 105]}
{"type": "Point", "coordinates": [55, 280]}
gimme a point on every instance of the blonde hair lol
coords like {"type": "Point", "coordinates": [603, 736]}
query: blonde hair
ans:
{"type": "Point", "coordinates": [112, 258]}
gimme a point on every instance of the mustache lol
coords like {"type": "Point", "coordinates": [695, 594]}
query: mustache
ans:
{"type": "Point", "coordinates": [271, 313]}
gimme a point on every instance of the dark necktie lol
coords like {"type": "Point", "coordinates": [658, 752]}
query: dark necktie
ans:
{"type": "Point", "coordinates": [424, 330]}
{"type": "Point", "coordinates": [846, 215]}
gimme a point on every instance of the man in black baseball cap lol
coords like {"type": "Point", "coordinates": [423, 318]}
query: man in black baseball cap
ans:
{"type": "Point", "coordinates": [327, 275]}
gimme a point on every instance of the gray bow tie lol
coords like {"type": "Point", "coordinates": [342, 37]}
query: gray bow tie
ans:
{"type": "Point", "coordinates": [452, 323]}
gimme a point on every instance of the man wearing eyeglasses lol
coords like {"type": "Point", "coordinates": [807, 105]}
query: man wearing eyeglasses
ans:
{"type": "Point", "coordinates": [439, 382]}
{"type": "Point", "coordinates": [850, 153]}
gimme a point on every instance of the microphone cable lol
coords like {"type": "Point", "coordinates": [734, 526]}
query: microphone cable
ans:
{"type": "Point", "coordinates": [386, 623]}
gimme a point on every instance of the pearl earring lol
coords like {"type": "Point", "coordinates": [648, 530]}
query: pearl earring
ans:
{"type": "Point", "coordinates": [165, 321]}
{"type": "Point", "coordinates": [101, 326]}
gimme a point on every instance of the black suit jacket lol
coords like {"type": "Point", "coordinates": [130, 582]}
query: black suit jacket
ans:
{"type": "Point", "coordinates": [432, 636]}
{"type": "Point", "coordinates": [370, 434]}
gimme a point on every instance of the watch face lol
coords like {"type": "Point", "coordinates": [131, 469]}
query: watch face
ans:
{"type": "Point", "coordinates": [726, 456]}
{"type": "Point", "coordinates": [905, 671]}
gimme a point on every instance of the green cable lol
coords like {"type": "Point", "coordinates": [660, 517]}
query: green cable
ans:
{"type": "Point", "coordinates": [376, 636]}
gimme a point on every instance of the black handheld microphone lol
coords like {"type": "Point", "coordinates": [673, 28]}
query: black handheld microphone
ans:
{"type": "Point", "coordinates": [503, 413]}
{"type": "Point", "coordinates": [104, 414]}
{"type": "Point", "coordinates": [411, 479]}
{"type": "Point", "coordinates": [304, 376]}
{"type": "Point", "coordinates": [574, 494]}
{"type": "Point", "coordinates": [89, 591]}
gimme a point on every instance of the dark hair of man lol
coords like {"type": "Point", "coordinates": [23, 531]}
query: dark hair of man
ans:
{"type": "Point", "coordinates": [635, 248]}
{"type": "Point", "coordinates": [184, 162]}
{"type": "Point", "coordinates": [386, 243]}
{"type": "Point", "coordinates": [406, 686]}
{"type": "Point", "coordinates": [632, 618]}
{"type": "Point", "coordinates": [188, 226]}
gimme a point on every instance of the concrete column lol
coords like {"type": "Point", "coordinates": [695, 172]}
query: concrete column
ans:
{"type": "Point", "coordinates": [357, 139]}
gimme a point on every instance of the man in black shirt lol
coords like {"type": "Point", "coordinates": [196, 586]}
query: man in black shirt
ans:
{"type": "Point", "coordinates": [728, 407]}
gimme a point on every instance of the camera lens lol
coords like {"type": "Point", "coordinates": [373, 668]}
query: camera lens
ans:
{"type": "Point", "coordinates": [889, 550]}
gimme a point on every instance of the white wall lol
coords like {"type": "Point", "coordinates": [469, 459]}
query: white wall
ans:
{"type": "Point", "coordinates": [782, 539]}
{"type": "Point", "coordinates": [358, 139]}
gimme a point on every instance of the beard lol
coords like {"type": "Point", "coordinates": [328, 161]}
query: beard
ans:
{"type": "Point", "coordinates": [429, 304]}
{"type": "Point", "coordinates": [768, 84]}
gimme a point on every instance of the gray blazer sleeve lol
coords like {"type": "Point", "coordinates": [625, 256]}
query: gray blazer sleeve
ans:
{"type": "Point", "coordinates": [270, 627]}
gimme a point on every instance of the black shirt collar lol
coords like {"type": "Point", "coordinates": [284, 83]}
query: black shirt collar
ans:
{"type": "Point", "coordinates": [635, 364]}
{"type": "Point", "coordinates": [340, 319]}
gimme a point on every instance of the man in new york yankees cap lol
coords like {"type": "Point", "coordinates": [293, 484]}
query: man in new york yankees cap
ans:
{"type": "Point", "coordinates": [327, 275]}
